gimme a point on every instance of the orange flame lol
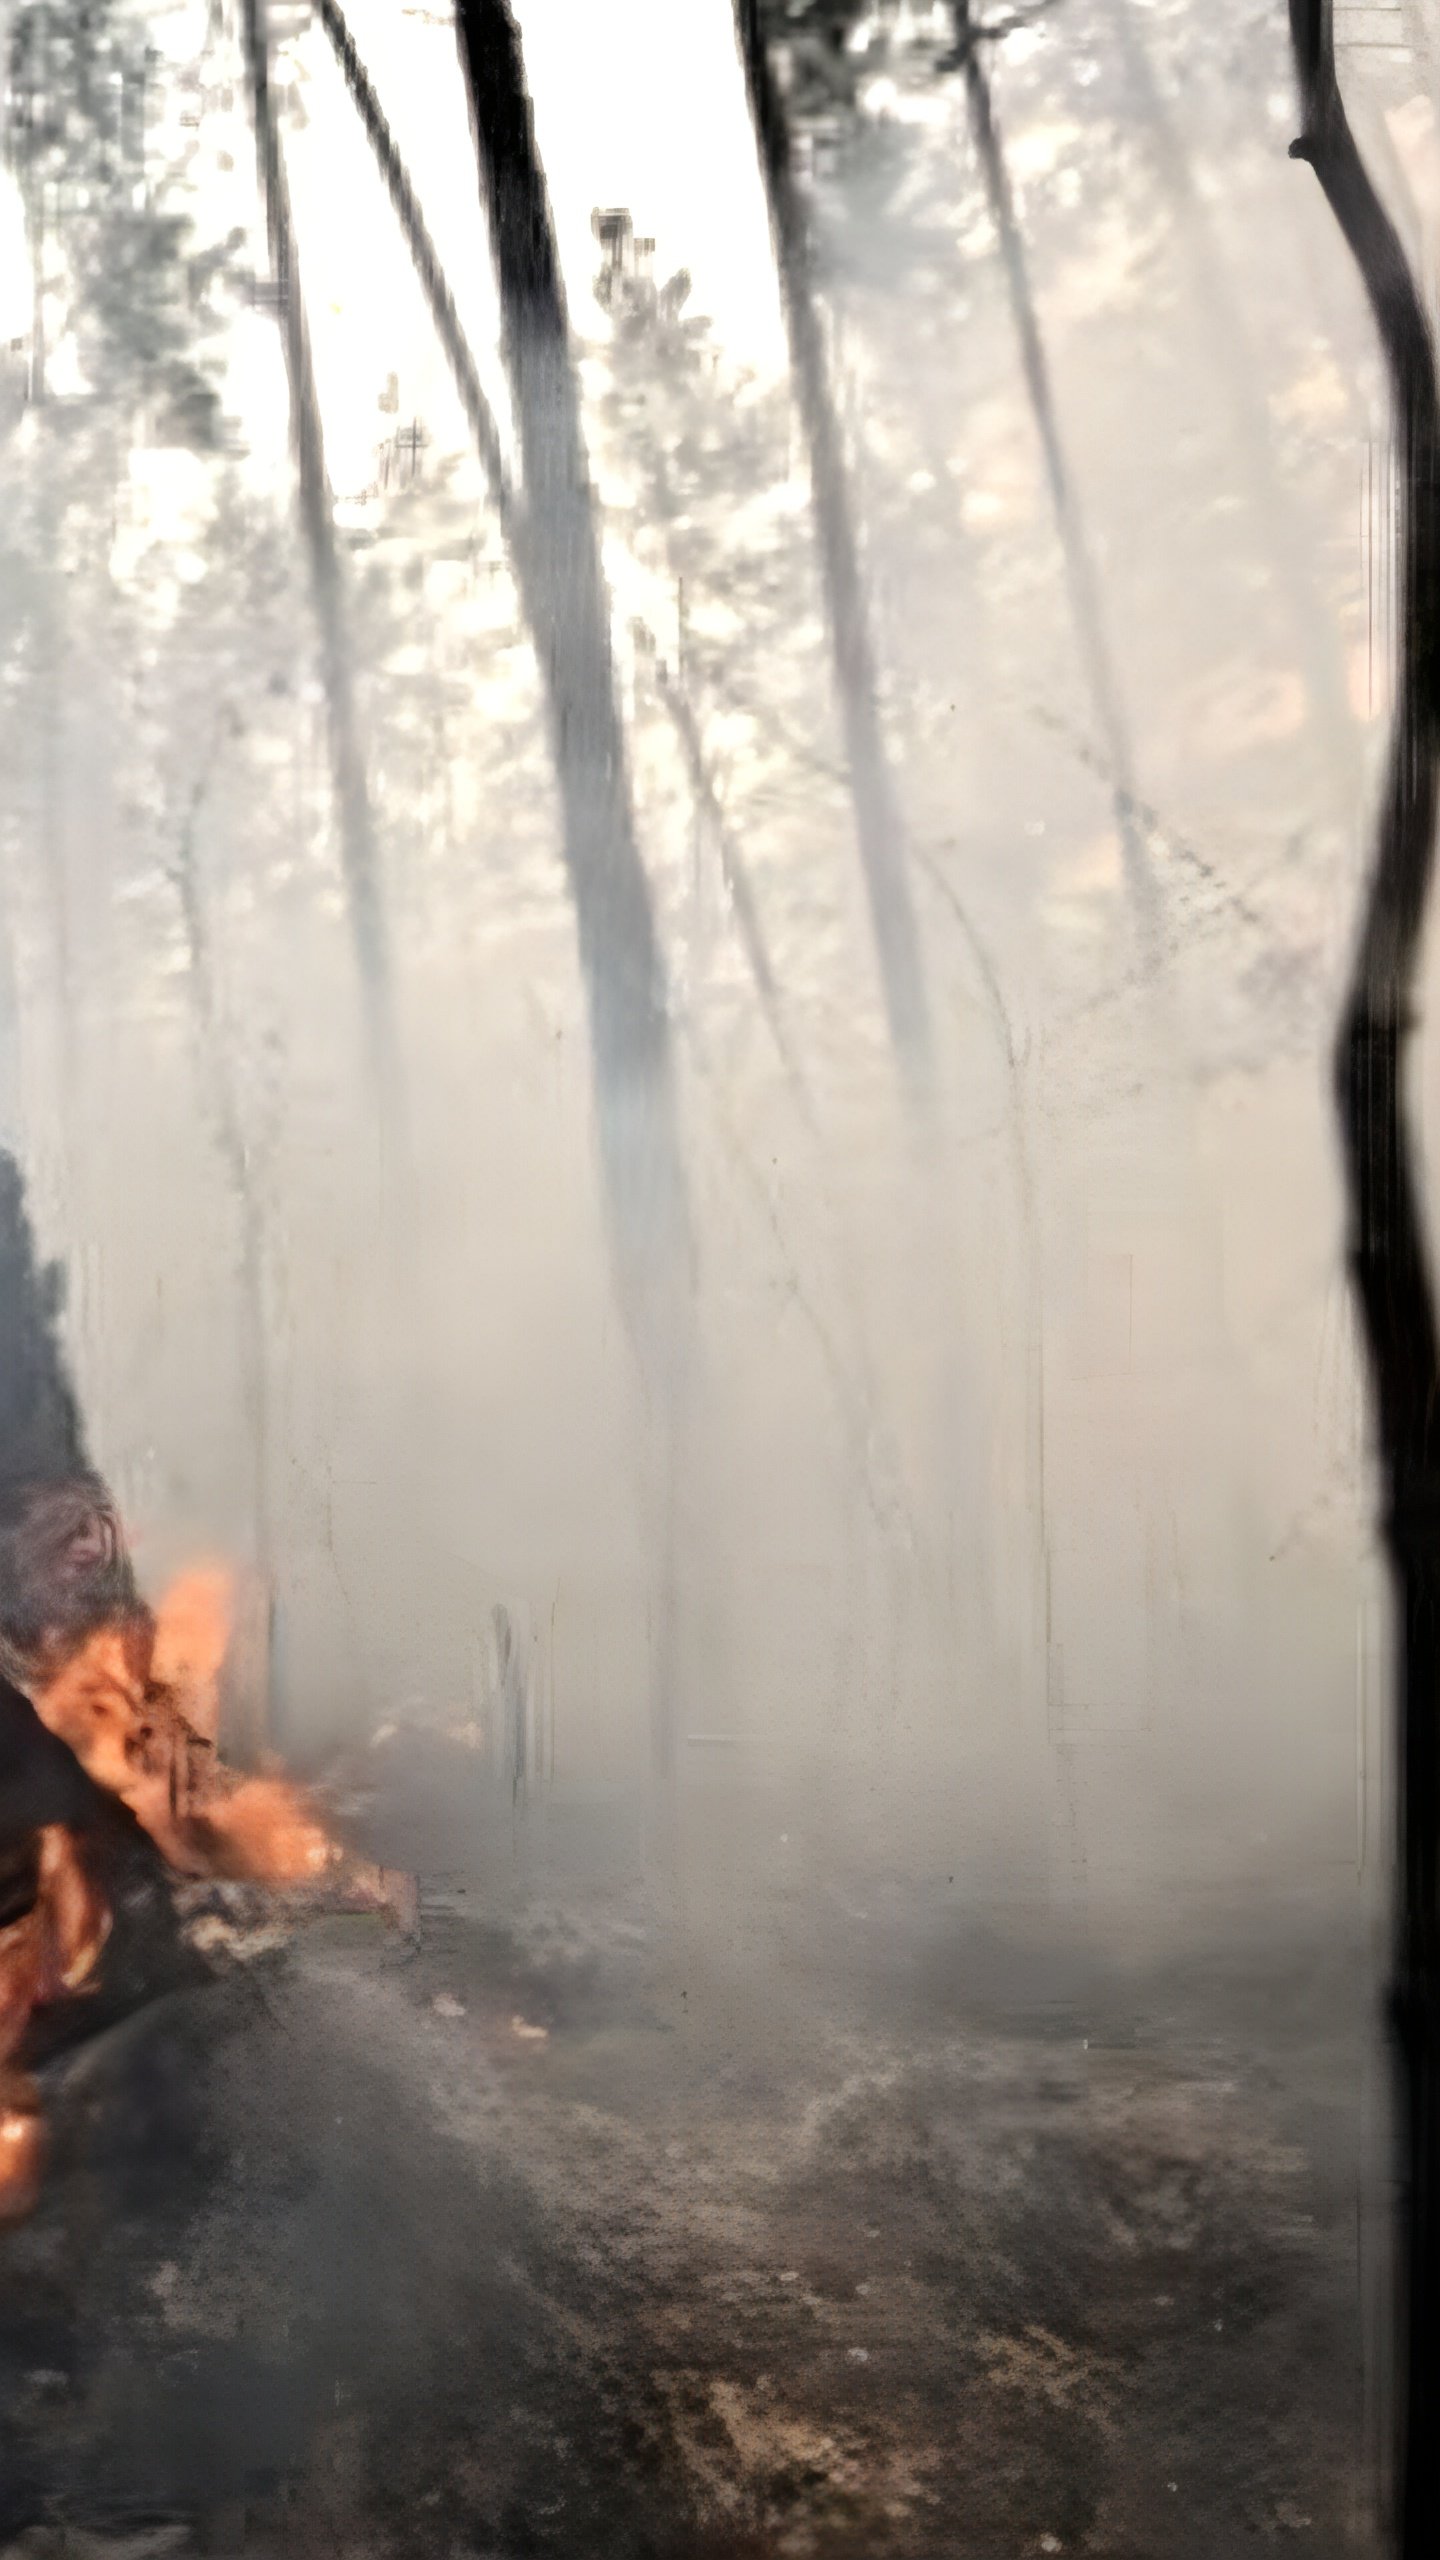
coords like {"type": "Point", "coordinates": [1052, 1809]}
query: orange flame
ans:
{"type": "Point", "coordinates": [139, 1706]}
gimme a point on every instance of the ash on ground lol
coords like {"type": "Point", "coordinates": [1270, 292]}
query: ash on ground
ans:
{"type": "Point", "coordinates": [572, 2230]}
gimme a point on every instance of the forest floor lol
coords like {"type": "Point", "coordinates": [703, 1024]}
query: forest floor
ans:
{"type": "Point", "coordinates": [517, 2242]}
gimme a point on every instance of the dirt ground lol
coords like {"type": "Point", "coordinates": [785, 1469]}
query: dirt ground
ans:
{"type": "Point", "coordinates": [923, 2238]}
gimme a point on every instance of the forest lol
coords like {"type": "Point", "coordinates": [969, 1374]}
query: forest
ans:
{"type": "Point", "coordinates": [714, 718]}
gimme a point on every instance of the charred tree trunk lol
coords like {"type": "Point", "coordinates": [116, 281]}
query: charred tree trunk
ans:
{"type": "Point", "coordinates": [1388, 1256]}
{"type": "Point", "coordinates": [879, 825]}
{"type": "Point", "coordinates": [563, 594]}
{"type": "Point", "coordinates": [1097, 664]}
{"type": "Point", "coordinates": [555, 544]}
{"type": "Point", "coordinates": [42, 1451]}
{"type": "Point", "coordinates": [359, 852]}
{"type": "Point", "coordinates": [107, 1722]}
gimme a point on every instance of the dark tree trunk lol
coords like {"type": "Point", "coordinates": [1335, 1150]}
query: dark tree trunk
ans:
{"type": "Point", "coordinates": [42, 1440]}
{"type": "Point", "coordinates": [1387, 1246]}
{"type": "Point", "coordinates": [562, 590]}
{"type": "Point", "coordinates": [42, 1452]}
{"type": "Point", "coordinates": [359, 852]}
{"type": "Point", "coordinates": [555, 546]}
{"type": "Point", "coordinates": [879, 825]}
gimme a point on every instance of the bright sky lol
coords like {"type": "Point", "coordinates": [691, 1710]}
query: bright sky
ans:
{"type": "Point", "coordinates": [639, 103]}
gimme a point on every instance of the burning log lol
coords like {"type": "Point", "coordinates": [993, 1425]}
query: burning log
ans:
{"type": "Point", "coordinates": [133, 1698]}
{"type": "Point", "coordinates": [52, 1948]}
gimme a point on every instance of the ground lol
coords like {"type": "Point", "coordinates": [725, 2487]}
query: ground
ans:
{"type": "Point", "coordinates": [924, 2240]}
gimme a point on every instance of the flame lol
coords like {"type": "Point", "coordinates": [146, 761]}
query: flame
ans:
{"type": "Point", "coordinates": [194, 1625]}
{"type": "Point", "coordinates": [138, 1703]}
{"type": "Point", "coordinates": [53, 1949]}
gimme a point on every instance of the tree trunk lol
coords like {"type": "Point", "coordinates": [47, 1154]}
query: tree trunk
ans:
{"type": "Point", "coordinates": [1388, 1256]}
{"type": "Point", "coordinates": [359, 853]}
{"type": "Point", "coordinates": [563, 594]}
{"type": "Point", "coordinates": [246, 1702]}
{"type": "Point", "coordinates": [879, 825]}
{"type": "Point", "coordinates": [42, 1441]}
{"type": "Point", "coordinates": [556, 549]}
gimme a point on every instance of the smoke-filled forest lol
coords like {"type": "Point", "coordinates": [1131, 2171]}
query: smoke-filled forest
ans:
{"type": "Point", "coordinates": [696, 703]}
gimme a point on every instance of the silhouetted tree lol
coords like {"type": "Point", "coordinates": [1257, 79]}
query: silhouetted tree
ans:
{"type": "Point", "coordinates": [42, 1451]}
{"type": "Point", "coordinates": [1388, 1255]}
{"type": "Point", "coordinates": [564, 596]}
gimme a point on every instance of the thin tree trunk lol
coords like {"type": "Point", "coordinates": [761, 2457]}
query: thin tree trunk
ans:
{"type": "Point", "coordinates": [247, 1703]}
{"type": "Point", "coordinates": [1388, 1256]}
{"type": "Point", "coordinates": [564, 596]}
{"type": "Point", "coordinates": [620, 955]}
{"type": "Point", "coordinates": [359, 852]}
{"type": "Point", "coordinates": [879, 824]}
{"type": "Point", "coordinates": [1027, 1197]}
{"type": "Point", "coordinates": [1096, 662]}
{"type": "Point", "coordinates": [734, 871]}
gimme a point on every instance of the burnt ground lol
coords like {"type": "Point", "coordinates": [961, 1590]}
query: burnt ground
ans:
{"type": "Point", "coordinates": [921, 2241]}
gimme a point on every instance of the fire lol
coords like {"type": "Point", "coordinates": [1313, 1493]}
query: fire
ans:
{"type": "Point", "coordinates": [51, 1950]}
{"type": "Point", "coordinates": [137, 1702]}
